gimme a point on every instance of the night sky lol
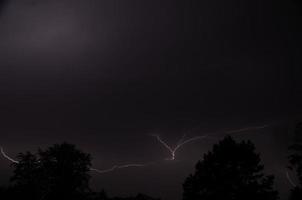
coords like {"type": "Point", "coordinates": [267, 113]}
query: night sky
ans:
{"type": "Point", "coordinates": [105, 74]}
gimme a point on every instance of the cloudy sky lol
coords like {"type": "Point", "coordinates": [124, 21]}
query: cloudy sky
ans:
{"type": "Point", "coordinates": [106, 74]}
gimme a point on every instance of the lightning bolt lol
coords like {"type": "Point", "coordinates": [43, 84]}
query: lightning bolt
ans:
{"type": "Point", "coordinates": [171, 150]}
{"type": "Point", "coordinates": [91, 168]}
{"type": "Point", "coordinates": [180, 143]}
{"type": "Point", "coordinates": [293, 184]}
{"type": "Point", "coordinates": [290, 180]}
{"type": "Point", "coordinates": [131, 165]}
{"type": "Point", "coordinates": [7, 157]}
{"type": "Point", "coordinates": [247, 129]}
{"type": "Point", "coordinates": [104, 171]}
{"type": "Point", "coordinates": [115, 167]}
{"type": "Point", "coordinates": [166, 146]}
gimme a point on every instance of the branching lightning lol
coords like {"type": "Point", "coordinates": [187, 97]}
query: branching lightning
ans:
{"type": "Point", "coordinates": [172, 150]}
{"type": "Point", "coordinates": [180, 143]}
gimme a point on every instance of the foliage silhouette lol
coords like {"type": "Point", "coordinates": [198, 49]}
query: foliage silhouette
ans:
{"type": "Point", "coordinates": [295, 160]}
{"type": "Point", "coordinates": [59, 172]}
{"type": "Point", "coordinates": [231, 171]}
{"type": "Point", "coordinates": [26, 180]}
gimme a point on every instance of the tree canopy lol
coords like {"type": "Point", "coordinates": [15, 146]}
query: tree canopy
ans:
{"type": "Point", "coordinates": [231, 171]}
{"type": "Point", "coordinates": [61, 171]}
{"type": "Point", "coordinates": [56, 173]}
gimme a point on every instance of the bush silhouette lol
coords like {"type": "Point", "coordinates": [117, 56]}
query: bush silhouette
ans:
{"type": "Point", "coordinates": [231, 171]}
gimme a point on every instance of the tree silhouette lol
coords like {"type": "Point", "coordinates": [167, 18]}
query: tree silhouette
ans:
{"type": "Point", "coordinates": [25, 179]}
{"type": "Point", "coordinates": [66, 169]}
{"type": "Point", "coordinates": [295, 160]}
{"type": "Point", "coordinates": [231, 171]}
{"type": "Point", "coordinates": [59, 172]}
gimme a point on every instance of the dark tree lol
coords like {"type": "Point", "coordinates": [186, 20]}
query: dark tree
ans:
{"type": "Point", "coordinates": [59, 172]}
{"type": "Point", "coordinates": [295, 160]}
{"type": "Point", "coordinates": [66, 170]}
{"type": "Point", "coordinates": [231, 171]}
{"type": "Point", "coordinates": [25, 179]}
